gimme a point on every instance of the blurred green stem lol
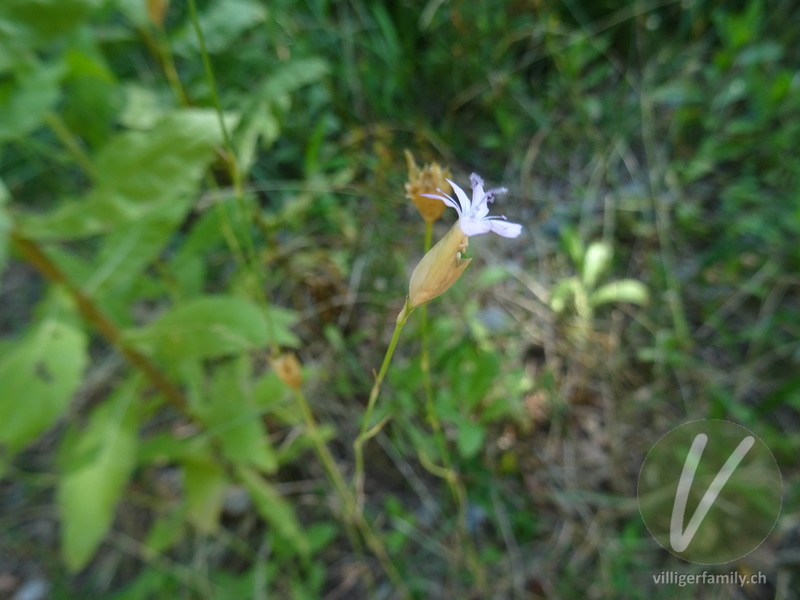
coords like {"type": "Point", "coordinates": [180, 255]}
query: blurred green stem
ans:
{"type": "Point", "coordinates": [445, 472]}
{"type": "Point", "coordinates": [160, 48]}
{"type": "Point", "coordinates": [233, 163]}
{"type": "Point", "coordinates": [351, 515]}
{"type": "Point", "coordinates": [367, 432]}
{"type": "Point", "coordinates": [246, 250]}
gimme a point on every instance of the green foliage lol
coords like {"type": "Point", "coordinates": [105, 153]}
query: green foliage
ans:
{"type": "Point", "coordinates": [38, 377]}
{"type": "Point", "coordinates": [97, 464]}
{"type": "Point", "coordinates": [275, 510]}
{"type": "Point", "coordinates": [139, 176]}
{"type": "Point", "coordinates": [26, 99]}
{"type": "Point", "coordinates": [176, 213]}
{"type": "Point", "coordinates": [583, 291]}
{"type": "Point", "coordinates": [29, 26]}
{"type": "Point", "coordinates": [214, 326]}
{"type": "Point", "coordinates": [222, 24]}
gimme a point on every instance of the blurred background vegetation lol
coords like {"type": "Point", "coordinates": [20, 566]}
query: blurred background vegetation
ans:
{"type": "Point", "coordinates": [189, 190]}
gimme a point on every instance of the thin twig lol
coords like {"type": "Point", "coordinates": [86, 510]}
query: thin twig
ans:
{"type": "Point", "coordinates": [92, 313]}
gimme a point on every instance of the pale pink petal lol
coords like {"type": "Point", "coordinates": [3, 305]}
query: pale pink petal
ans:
{"type": "Point", "coordinates": [472, 227]}
{"type": "Point", "coordinates": [446, 199]}
{"type": "Point", "coordinates": [480, 208]}
{"type": "Point", "coordinates": [466, 205]}
{"type": "Point", "coordinates": [503, 227]}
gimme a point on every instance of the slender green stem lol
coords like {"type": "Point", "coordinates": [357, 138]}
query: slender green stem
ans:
{"type": "Point", "coordinates": [235, 175]}
{"type": "Point", "coordinates": [246, 250]}
{"type": "Point", "coordinates": [352, 517]}
{"type": "Point", "coordinates": [168, 64]}
{"type": "Point", "coordinates": [328, 462]}
{"type": "Point", "coordinates": [446, 472]}
{"type": "Point", "coordinates": [425, 366]}
{"type": "Point", "coordinates": [367, 432]}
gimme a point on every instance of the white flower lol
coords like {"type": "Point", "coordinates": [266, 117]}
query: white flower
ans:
{"type": "Point", "coordinates": [473, 214]}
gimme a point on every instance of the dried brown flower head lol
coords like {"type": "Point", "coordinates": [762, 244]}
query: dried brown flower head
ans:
{"type": "Point", "coordinates": [426, 180]}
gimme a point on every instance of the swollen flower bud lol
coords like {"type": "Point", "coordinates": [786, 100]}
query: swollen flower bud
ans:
{"type": "Point", "coordinates": [424, 181]}
{"type": "Point", "coordinates": [287, 368]}
{"type": "Point", "coordinates": [439, 268]}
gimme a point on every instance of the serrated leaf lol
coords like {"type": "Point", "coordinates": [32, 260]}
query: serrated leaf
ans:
{"type": "Point", "coordinates": [222, 24]}
{"type": "Point", "coordinates": [261, 120]}
{"type": "Point", "coordinates": [626, 290]}
{"type": "Point", "coordinates": [214, 326]}
{"type": "Point", "coordinates": [88, 495]}
{"type": "Point", "coordinates": [138, 173]}
{"type": "Point", "coordinates": [135, 11]}
{"type": "Point", "coordinates": [274, 509]}
{"type": "Point", "coordinates": [231, 416]}
{"type": "Point", "coordinates": [30, 24]}
{"type": "Point", "coordinates": [38, 378]}
{"type": "Point", "coordinates": [126, 253]}
{"type": "Point", "coordinates": [26, 100]}
{"type": "Point", "coordinates": [204, 483]}
{"type": "Point", "coordinates": [291, 77]}
{"type": "Point", "coordinates": [142, 106]}
{"type": "Point", "coordinates": [595, 263]}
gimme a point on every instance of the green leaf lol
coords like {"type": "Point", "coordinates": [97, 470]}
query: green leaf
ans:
{"type": "Point", "coordinates": [142, 108]}
{"type": "Point", "coordinates": [470, 438]}
{"type": "Point", "coordinates": [261, 120]}
{"type": "Point", "coordinates": [26, 99]}
{"type": "Point", "coordinates": [564, 291]}
{"type": "Point", "coordinates": [137, 174]}
{"type": "Point", "coordinates": [626, 290]}
{"type": "Point", "coordinates": [205, 483]}
{"type": "Point", "coordinates": [215, 326]}
{"type": "Point", "coordinates": [92, 98]}
{"type": "Point", "coordinates": [222, 24]}
{"type": "Point", "coordinates": [272, 396]}
{"type": "Point", "coordinates": [135, 11]}
{"type": "Point", "coordinates": [26, 25]}
{"type": "Point", "coordinates": [231, 416]}
{"type": "Point", "coordinates": [290, 78]}
{"type": "Point", "coordinates": [573, 244]}
{"type": "Point", "coordinates": [164, 448]}
{"type": "Point", "coordinates": [595, 263]}
{"type": "Point", "coordinates": [126, 253]}
{"type": "Point", "coordinates": [167, 531]}
{"type": "Point", "coordinates": [88, 494]}
{"type": "Point", "coordinates": [38, 378]}
{"type": "Point", "coordinates": [275, 509]}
